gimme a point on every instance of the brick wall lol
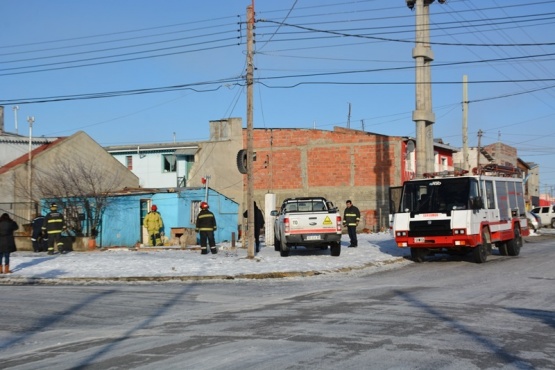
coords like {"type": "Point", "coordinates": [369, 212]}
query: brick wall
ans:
{"type": "Point", "coordinates": [339, 165]}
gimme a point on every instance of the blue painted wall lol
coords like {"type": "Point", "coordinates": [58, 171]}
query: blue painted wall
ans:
{"type": "Point", "coordinates": [121, 222]}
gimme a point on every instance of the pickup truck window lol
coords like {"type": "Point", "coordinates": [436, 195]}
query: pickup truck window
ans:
{"type": "Point", "coordinates": [304, 206]}
{"type": "Point", "coordinates": [291, 207]}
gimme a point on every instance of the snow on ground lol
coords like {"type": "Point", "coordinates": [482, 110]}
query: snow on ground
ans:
{"type": "Point", "coordinates": [373, 249]}
{"type": "Point", "coordinates": [377, 249]}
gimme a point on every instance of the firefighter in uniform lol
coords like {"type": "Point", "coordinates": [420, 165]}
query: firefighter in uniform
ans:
{"type": "Point", "coordinates": [154, 225]}
{"type": "Point", "coordinates": [205, 226]}
{"type": "Point", "coordinates": [38, 236]}
{"type": "Point", "coordinates": [351, 218]}
{"type": "Point", "coordinates": [53, 226]}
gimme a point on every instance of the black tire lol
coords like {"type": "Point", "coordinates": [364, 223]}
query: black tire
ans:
{"type": "Point", "coordinates": [502, 247]}
{"type": "Point", "coordinates": [552, 224]}
{"type": "Point", "coordinates": [335, 249]}
{"type": "Point", "coordinates": [514, 245]}
{"type": "Point", "coordinates": [480, 252]}
{"type": "Point", "coordinates": [284, 250]}
{"type": "Point", "coordinates": [418, 254]}
{"type": "Point", "coordinates": [276, 244]}
{"type": "Point", "coordinates": [242, 161]}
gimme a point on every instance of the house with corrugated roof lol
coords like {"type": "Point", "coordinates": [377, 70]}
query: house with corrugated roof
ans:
{"type": "Point", "coordinates": [25, 180]}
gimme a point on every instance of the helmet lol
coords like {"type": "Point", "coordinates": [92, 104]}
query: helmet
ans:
{"type": "Point", "coordinates": [53, 207]}
{"type": "Point", "coordinates": [203, 205]}
{"type": "Point", "coordinates": [154, 208]}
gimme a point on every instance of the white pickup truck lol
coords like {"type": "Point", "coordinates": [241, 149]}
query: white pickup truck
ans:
{"type": "Point", "coordinates": [547, 215]}
{"type": "Point", "coordinates": [311, 222]}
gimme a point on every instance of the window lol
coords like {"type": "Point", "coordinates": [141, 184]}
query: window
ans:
{"type": "Point", "coordinates": [129, 162]}
{"type": "Point", "coordinates": [195, 209]}
{"type": "Point", "coordinates": [168, 164]}
{"type": "Point", "coordinates": [490, 197]}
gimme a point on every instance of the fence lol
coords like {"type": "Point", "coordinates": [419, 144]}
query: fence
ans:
{"type": "Point", "coordinates": [21, 212]}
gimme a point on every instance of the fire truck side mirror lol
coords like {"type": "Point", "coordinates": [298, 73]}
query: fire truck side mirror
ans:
{"type": "Point", "coordinates": [476, 203]}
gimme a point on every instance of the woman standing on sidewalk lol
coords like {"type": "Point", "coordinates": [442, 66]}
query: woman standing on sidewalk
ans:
{"type": "Point", "coordinates": [7, 241]}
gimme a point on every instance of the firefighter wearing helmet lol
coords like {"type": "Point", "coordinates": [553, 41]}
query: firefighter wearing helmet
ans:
{"type": "Point", "coordinates": [205, 226]}
{"type": "Point", "coordinates": [52, 227]}
{"type": "Point", "coordinates": [154, 225]}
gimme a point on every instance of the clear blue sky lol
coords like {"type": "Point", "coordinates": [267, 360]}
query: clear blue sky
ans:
{"type": "Point", "coordinates": [313, 58]}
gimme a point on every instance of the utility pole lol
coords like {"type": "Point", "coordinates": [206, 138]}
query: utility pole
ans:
{"type": "Point", "coordinates": [423, 115]}
{"type": "Point", "coordinates": [466, 165]}
{"type": "Point", "coordinates": [349, 117]}
{"type": "Point", "coordinates": [479, 150]}
{"type": "Point", "coordinates": [250, 178]}
{"type": "Point", "coordinates": [31, 120]}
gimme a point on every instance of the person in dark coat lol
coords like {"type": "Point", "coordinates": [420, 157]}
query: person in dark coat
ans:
{"type": "Point", "coordinates": [351, 218]}
{"type": "Point", "coordinates": [205, 226]}
{"type": "Point", "coordinates": [7, 241]}
{"type": "Point", "coordinates": [38, 237]}
{"type": "Point", "coordinates": [258, 224]}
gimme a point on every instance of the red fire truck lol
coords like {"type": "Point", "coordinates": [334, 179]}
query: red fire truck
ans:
{"type": "Point", "coordinates": [453, 212]}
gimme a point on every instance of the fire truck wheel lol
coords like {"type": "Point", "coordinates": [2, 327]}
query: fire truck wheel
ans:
{"type": "Point", "coordinates": [481, 251]}
{"type": "Point", "coordinates": [418, 254]}
{"type": "Point", "coordinates": [335, 249]}
{"type": "Point", "coordinates": [514, 245]}
{"type": "Point", "coordinates": [502, 247]}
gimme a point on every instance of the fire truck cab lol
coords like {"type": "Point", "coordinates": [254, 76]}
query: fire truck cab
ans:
{"type": "Point", "coordinates": [453, 212]}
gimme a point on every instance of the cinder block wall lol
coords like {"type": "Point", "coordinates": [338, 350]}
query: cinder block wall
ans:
{"type": "Point", "coordinates": [339, 165]}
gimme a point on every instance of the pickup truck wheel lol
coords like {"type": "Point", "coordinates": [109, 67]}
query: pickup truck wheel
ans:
{"type": "Point", "coordinates": [284, 250]}
{"type": "Point", "coordinates": [514, 245]}
{"type": "Point", "coordinates": [418, 254]}
{"type": "Point", "coordinates": [276, 244]}
{"type": "Point", "coordinates": [335, 249]}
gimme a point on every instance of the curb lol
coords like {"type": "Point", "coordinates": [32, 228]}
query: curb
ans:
{"type": "Point", "coordinates": [9, 280]}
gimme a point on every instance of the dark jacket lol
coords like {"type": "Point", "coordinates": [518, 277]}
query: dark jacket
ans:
{"type": "Point", "coordinates": [351, 217]}
{"type": "Point", "coordinates": [54, 223]}
{"type": "Point", "coordinates": [7, 228]}
{"type": "Point", "coordinates": [37, 224]}
{"type": "Point", "coordinates": [206, 221]}
{"type": "Point", "coordinates": [258, 217]}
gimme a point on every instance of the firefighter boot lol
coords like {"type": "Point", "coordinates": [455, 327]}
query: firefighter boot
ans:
{"type": "Point", "coordinates": [203, 250]}
{"type": "Point", "coordinates": [214, 250]}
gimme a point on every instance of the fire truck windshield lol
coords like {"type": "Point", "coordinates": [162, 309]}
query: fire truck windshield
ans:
{"type": "Point", "coordinates": [438, 195]}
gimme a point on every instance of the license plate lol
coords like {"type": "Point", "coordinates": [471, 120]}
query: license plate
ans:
{"type": "Point", "coordinates": [419, 240]}
{"type": "Point", "coordinates": [312, 237]}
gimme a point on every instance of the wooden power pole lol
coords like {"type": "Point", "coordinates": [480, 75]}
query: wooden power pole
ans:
{"type": "Point", "coordinates": [250, 179]}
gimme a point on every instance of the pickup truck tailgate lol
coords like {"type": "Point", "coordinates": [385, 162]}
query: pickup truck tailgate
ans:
{"type": "Point", "coordinates": [302, 223]}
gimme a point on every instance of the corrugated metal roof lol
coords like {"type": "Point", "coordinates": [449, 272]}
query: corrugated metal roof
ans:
{"type": "Point", "coordinates": [187, 151]}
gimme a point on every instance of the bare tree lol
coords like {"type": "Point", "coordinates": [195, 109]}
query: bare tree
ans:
{"type": "Point", "coordinates": [81, 188]}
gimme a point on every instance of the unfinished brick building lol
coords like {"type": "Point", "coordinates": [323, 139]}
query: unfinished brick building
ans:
{"type": "Point", "coordinates": [339, 165]}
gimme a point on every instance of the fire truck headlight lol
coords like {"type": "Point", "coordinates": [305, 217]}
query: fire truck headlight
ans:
{"type": "Point", "coordinates": [401, 233]}
{"type": "Point", "coordinates": [459, 231]}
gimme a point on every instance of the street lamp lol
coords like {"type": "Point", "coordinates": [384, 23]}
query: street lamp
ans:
{"type": "Point", "coordinates": [31, 120]}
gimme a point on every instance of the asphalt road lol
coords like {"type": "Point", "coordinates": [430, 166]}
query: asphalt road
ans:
{"type": "Point", "coordinates": [447, 313]}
